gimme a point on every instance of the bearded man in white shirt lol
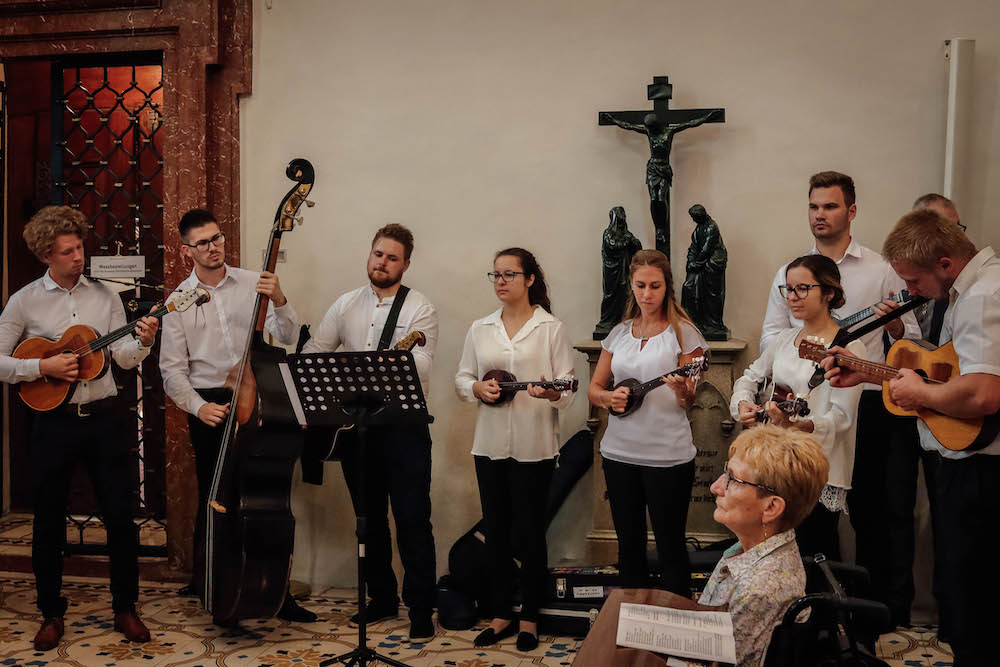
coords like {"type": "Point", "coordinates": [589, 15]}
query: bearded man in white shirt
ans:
{"type": "Point", "coordinates": [199, 348]}
{"type": "Point", "coordinates": [86, 429]}
{"type": "Point", "coordinates": [397, 459]}
{"type": "Point", "coordinates": [937, 260]}
{"type": "Point", "coordinates": [868, 281]}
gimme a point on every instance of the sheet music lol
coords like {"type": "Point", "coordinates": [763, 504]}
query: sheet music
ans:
{"type": "Point", "coordinates": [703, 635]}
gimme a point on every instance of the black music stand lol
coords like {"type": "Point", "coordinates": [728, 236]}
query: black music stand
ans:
{"type": "Point", "coordinates": [362, 389]}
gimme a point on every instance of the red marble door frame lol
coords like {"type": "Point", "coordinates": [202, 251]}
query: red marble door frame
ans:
{"type": "Point", "coordinates": [206, 47]}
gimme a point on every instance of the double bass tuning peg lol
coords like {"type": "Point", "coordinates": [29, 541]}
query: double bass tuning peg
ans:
{"type": "Point", "coordinates": [310, 203]}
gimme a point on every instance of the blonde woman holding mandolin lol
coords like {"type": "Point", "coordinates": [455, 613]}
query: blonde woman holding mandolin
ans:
{"type": "Point", "coordinates": [812, 291]}
{"type": "Point", "coordinates": [648, 454]}
{"type": "Point", "coordinates": [516, 440]}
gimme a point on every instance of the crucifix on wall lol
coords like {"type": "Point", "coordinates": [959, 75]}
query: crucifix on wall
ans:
{"type": "Point", "coordinates": [660, 125]}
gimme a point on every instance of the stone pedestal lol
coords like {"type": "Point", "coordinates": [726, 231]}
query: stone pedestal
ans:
{"type": "Point", "coordinates": [713, 430]}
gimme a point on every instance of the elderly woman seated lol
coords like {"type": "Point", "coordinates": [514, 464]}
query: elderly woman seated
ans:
{"type": "Point", "coordinates": [772, 481]}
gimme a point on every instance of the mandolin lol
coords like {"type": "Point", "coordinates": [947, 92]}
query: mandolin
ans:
{"type": "Point", "coordinates": [793, 406]}
{"type": "Point", "coordinates": [862, 315]}
{"type": "Point", "coordinates": [638, 391]}
{"type": "Point", "coordinates": [343, 433]}
{"type": "Point", "coordinates": [937, 366]}
{"type": "Point", "coordinates": [509, 385]}
{"type": "Point", "coordinates": [47, 393]}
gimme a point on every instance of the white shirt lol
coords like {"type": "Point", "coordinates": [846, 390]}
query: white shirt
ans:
{"type": "Point", "coordinates": [866, 278]}
{"type": "Point", "coordinates": [833, 411]}
{"type": "Point", "coordinates": [525, 428]}
{"type": "Point", "coordinates": [43, 308]}
{"type": "Point", "coordinates": [201, 345]}
{"type": "Point", "coordinates": [972, 323]}
{"type": "Point", "coordinates": [658, 433]}
{"type": "Point", "coordinates": [355, 321]}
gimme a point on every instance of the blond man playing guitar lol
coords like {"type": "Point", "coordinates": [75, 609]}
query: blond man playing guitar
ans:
{"type": "Point", "coordinates": [85, 429]}
{"type": "Point", "coordinates": [938, 261]}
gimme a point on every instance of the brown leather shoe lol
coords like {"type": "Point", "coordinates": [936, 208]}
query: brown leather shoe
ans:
{"type": "Point", "coordinates": [50, 633]}
{"type": "Point", "coordinates": [127, 623]}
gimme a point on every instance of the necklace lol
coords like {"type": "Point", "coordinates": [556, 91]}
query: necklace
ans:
{"type": "Point", "coordinates": [645, 339]}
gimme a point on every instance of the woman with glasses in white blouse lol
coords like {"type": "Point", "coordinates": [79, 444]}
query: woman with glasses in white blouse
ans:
{"type": "Point", "coordinates": [812, 291]}
{"type": "Point", "coordinates": [648, 455]}
{"type": "Point", "coordinates": [516, 442]}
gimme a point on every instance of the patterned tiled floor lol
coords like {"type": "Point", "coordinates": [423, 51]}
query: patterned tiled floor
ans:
{"type": "Point", "coordinates": [184, 635]}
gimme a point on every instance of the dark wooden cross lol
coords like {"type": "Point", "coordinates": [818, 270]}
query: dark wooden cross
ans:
{"type": "Point", "coordinates": [659, 175]}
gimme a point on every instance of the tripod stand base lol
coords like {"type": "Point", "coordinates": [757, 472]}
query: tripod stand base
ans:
{"type": "Point", "coordinates": [361, 657]}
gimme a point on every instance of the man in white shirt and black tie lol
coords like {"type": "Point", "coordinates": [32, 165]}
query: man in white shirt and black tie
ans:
{"type": "Point", "coordinates": [868, 280]}
{"type": "Point", "coordinates": [201, 345]}
{"type": "Point", "coordinates": [397, 460]}
{"type": "Point", "coordinates": [87, 429]}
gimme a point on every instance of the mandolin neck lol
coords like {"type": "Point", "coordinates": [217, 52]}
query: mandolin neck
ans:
{"type": "Point", "coordinates": [521, 386]}
{"type": "Point", "coordinates": [99, 344]}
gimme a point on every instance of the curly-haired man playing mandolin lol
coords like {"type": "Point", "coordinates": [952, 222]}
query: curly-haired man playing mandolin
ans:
{"type": "Point", "coordinates": [84, 429]}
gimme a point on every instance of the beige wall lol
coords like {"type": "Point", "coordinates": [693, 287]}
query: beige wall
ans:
{"type": "Point", "coordinates": [474, 123]}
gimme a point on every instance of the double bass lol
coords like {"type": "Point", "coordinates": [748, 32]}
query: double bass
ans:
{"type": "Point", "coordinates": [250, 530]}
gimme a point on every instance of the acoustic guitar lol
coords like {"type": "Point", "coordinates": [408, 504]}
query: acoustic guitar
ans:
{"type": "Point", "coordinates": [47, 393]}
{"type": "Point", "coordinates": [638, 390]}
{"type": "Point", "coordinates": [937, 366]}
{"type": "Point", "coordinates": [509, 385]}
{"type": "Point", "coordinates": [343, 433]}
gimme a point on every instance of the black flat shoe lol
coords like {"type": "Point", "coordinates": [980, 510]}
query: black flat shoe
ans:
{"type": "Point", "coordinates": [488, 637]}
{"type": "Point", "coordinates": [526, 642]}
{"type": "Point", "coordinates": [293, 612]}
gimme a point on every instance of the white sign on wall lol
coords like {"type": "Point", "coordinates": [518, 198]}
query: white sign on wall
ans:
{"type": "Point", "coordinates": [118, 266]}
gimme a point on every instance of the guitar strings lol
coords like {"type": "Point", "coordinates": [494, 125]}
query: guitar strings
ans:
{"type": "Point", "coordinates": [871, 365]}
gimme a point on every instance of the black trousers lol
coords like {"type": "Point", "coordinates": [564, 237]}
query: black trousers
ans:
{"type": "Point", "coordinates": [966, 547]}
{"type": "Point", "coordinates": [817, 534]}
{"type": "Point", "coordinates": [205, 441]}
{"type": "Point", "coordinates": [397, 467]}
{"type": "Point", "coordinates": [514, 496]}
{"type": "Point", "coordinates": [882, 498]}
{"type": "Point", "coordinates": [665, 493]}
{"type": "Point", "coordinates": [58, 443]}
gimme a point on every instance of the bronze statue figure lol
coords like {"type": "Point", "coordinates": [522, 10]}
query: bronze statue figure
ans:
{"type": "Point", "coordinates": [617, 249]}
{"type": "Point", "coordinates": [659, 175]}
{"type": "Point", "coordinates": [704, 293]}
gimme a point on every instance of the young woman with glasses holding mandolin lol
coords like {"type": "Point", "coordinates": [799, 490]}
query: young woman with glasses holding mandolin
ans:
{"type": "Point", "coordinates": [812, 290]}
{"type": "Point", "coordinates": [648, 454]}
{"type": "Point", "coordinates": [516, 440]}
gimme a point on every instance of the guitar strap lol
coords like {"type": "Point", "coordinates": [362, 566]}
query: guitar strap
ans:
{"type": "Point", "coordinates": [879, 321]}
{"type": "Point", "coordinates": [390, 322]}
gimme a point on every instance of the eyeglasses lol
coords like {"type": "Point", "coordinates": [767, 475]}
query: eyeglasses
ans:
{"type": "Point", "coordinates": [801, 290]}
{"type": "Point", "coordinates": [964, 228]}
{"type": "Point", "coordinates": [730, 478]}
{"type": "Point", "coordinates": [506, 275]}
{"type": "Point", "coordinates": [202, 245]}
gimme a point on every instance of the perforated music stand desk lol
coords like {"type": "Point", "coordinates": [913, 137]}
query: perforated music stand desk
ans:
{"type": "Point", "coordinates": [376, 388]}
{"type": "Point", "coordinates": [330, 389]}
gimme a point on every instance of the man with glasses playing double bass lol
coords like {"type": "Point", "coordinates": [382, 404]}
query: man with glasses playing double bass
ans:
{"type": "Point", "coordinates": [201, 345]}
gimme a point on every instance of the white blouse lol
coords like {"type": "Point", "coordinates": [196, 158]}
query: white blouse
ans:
{"type": "Point", "coordinates": [658, 433]}
{"type": "Point", "coordinates": [833, 411]}
{"type": "Point", "coordinates": [526, 428]}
